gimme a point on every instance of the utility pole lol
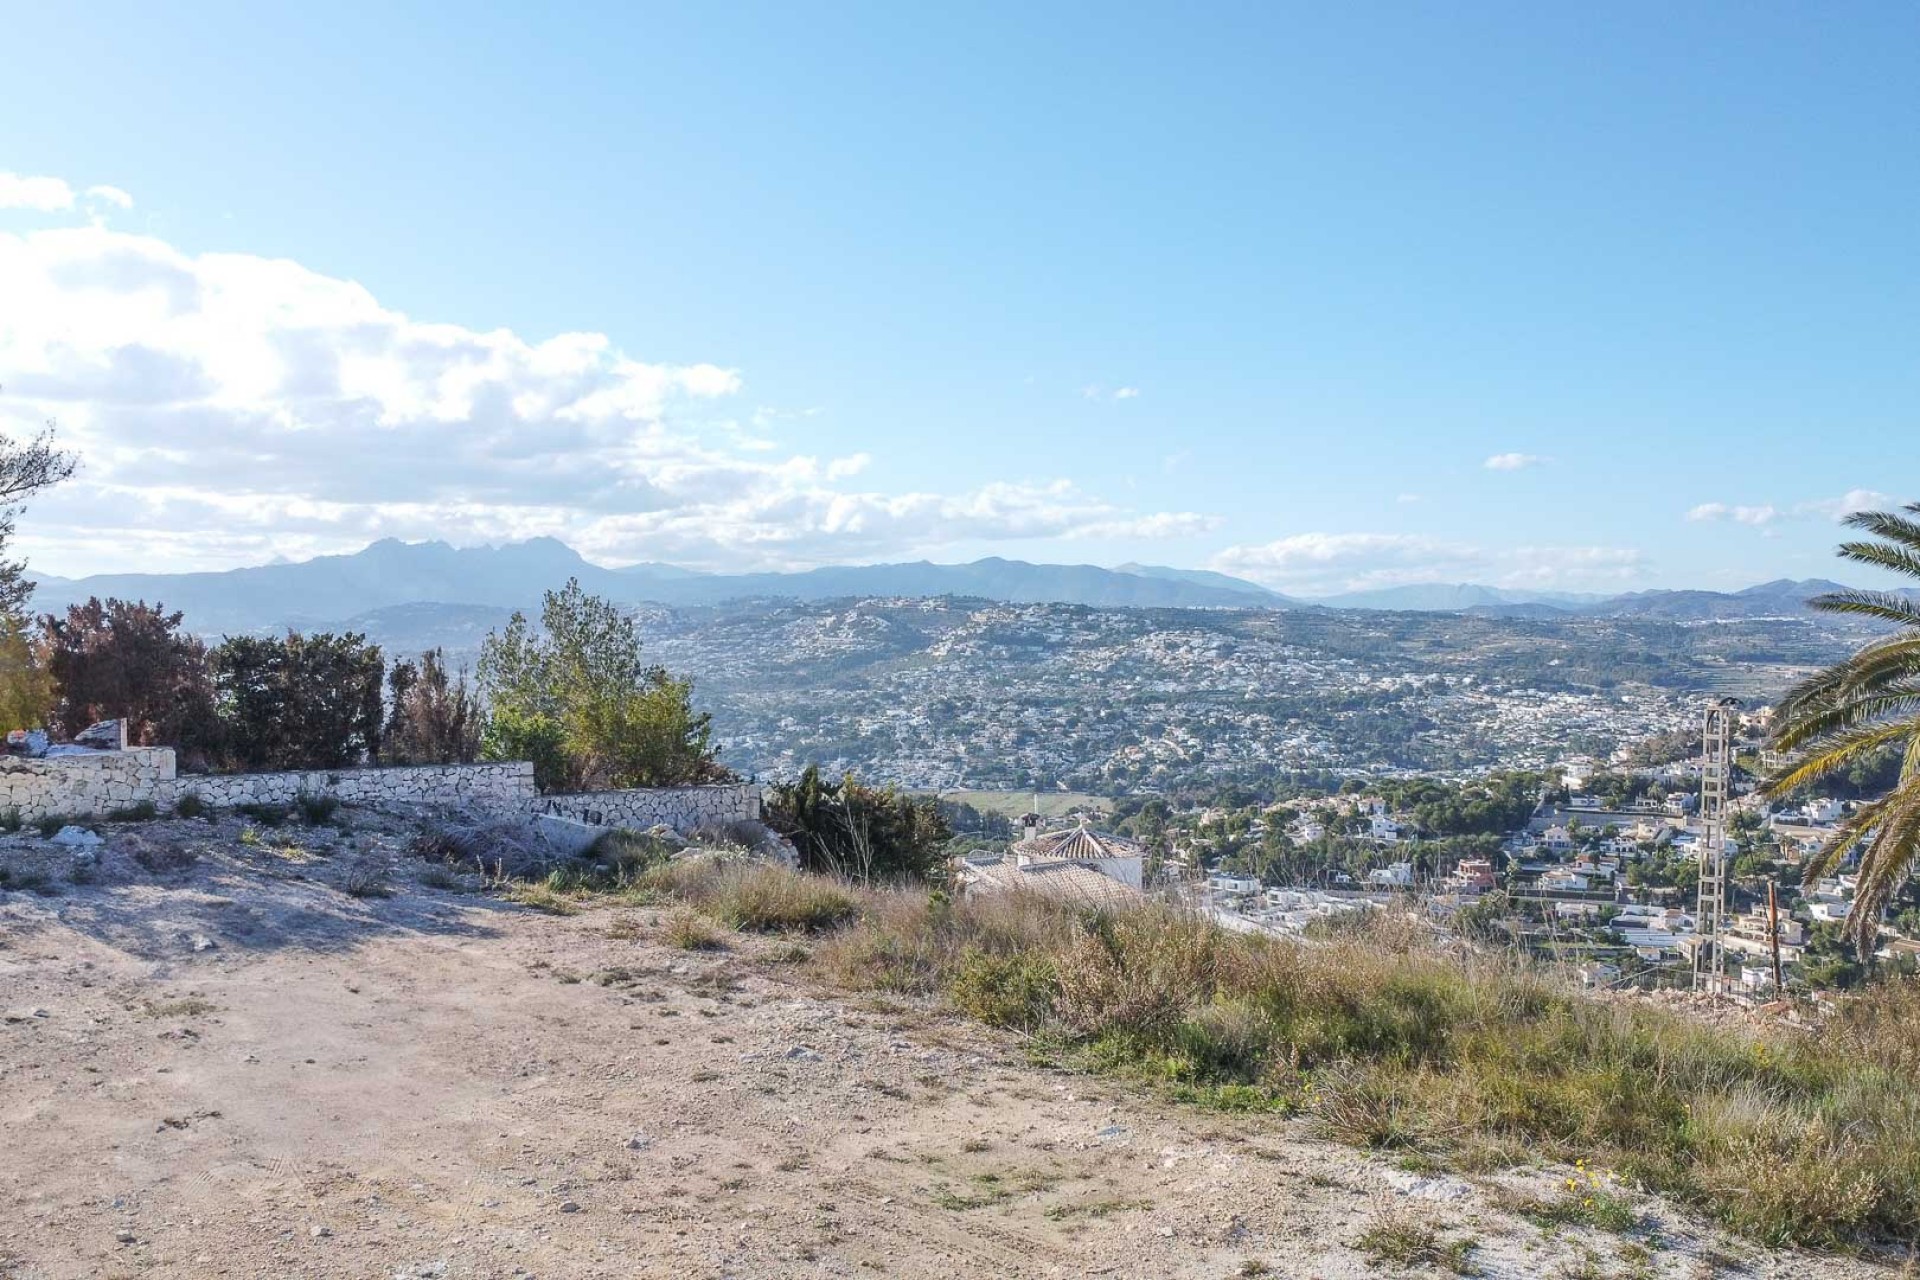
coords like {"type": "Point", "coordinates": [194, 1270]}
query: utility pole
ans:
{"type": "Point", "coordinates": [1773, 936]}
{"type": "Point", "coordinates": [1716, 785]}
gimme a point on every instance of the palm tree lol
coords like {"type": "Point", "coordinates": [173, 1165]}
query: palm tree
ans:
{"type": "Point", "coordinates": [1867, 704]}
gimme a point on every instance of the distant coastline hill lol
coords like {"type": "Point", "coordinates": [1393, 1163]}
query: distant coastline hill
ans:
{"type": "Point", "coordinates": [436, 587]}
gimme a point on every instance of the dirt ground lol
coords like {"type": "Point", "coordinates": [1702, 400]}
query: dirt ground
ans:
{"type": "Point", "coordinates": [234, 1067]}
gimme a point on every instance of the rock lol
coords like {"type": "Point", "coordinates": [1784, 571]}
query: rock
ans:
{"type": "Point", "coordinates": [319, 1232]}
{"type": "Point", "coordinates": [24, 1015]}
{"type": "Point", "coordinates": [569, 1206]}
{"type": "Point", "coordinates": [639, 1142]}
{"type": "Point", "coordinates": [107, 735]}
{"type": "Point", "coordinates": [201, 942]}
{"type": "Point", "coordinates": [800, 1053]}
{"type": "Point", "coordinates": [77, 838]}
{"type": "Point", "coordinates": [124, 1236]}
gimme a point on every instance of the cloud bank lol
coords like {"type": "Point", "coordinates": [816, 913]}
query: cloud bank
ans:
{"type": "Point", "coordinates": [230, 408]}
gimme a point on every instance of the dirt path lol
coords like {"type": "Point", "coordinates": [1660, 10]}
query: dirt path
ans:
{"type": "Point", "coordinates": [244, 1072]}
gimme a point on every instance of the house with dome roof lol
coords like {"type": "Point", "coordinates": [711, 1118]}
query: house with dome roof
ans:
{"type": "Point", "coordinates": [1095, 867]}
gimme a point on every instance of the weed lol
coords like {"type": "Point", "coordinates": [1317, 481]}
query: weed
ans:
{"type": "Point", "coordinates": [189, 805]}
{"type": "Point", "coordinates": [316, 808]}
{"type": "Point", "coordinates": [1408, 1242]}
{"type": "Point", "coordinates": [267, 815]}
{"type": "Point", "coordinates": [185, 1007]}
{"type": "Point", "coordinates": [48, 825]}
{"type": "Point", "coordinates": [691, 931]}
{"type": "Point", "coordinates": [141, 812]}
{"type": "Point", "coordinates": [9, 821]}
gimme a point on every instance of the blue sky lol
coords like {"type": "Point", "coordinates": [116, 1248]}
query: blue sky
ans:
{"type": "Point", "coordinates": [1260, 288]}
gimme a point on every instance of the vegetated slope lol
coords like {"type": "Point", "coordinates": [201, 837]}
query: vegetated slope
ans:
{"type": "Point", "coordinates": [959, 693]}
{"type": "Point", "coordinates": [219, 1061]}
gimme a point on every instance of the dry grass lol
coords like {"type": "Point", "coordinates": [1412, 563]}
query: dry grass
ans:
{"type": "Point", "coordinates": [1473, 1061]}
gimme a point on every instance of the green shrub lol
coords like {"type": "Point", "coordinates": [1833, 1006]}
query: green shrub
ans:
{"type": "Point", "coordinates": [316, 808]}
{"type": "Point", "coordinates": [141, 812]}
{"type": "Point", "coordinates": [48, 825]}
{"type": "Point", "coordinates": [9, 821]}
{"type": "Point", "coordinates": [1005, 991]}
{"type": "Point", "coordinates": [267, 815]}
{"type": "Point", "coordinates": [190, 805]}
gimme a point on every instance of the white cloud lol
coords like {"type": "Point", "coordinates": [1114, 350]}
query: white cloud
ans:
{"type": "Point", "coordinates": [1094, 391]}
{"type": "Point", "coordinates": [110, 195]}
{"type": "Point", "coordinates": [1512, 461]}
{"type": "Point", "coordinates": [1407, 498]}
{"type": "Point", "coordinates": [1127, 393]}
{"type": "Point", "coordinates": [1758, 515]}
{"type": "Point", "coordinates": [45, 195]}
{"type": "Point", "coordinates": [1762, 514]}
{"type": "Point", "coordinates": [229, 408]}
{"type": "Point", "coordinates": [1328, 563]}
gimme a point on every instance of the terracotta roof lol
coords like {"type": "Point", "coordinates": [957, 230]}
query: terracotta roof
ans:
{"type": "Point", "coordinates": [1061, 879]}
{"type": "Point", "coordinates": [1079, 844]}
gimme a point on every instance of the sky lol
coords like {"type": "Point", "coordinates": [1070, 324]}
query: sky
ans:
{"type": "Point", "coordinates": [1589, 298]}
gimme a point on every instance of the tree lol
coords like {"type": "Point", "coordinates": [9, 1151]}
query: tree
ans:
{"type": "Point", "coordinates": [432, 719]}
{"type": "Point", "coordinates": [577, 700]}
{"type": "Point", "coordinates": [25, 469]}
{"type": "Point", "coordinates": [26, 689]}
{"type": "Point", "coordinates": [117, 660]}
{"type": "Point", "coordinates": [302, 702]}
{"type": "Point", "coordinates": [26, 692]}
{"type": "Point", "coordinates": [865, 833]}
{"type": "Point", "coordinates": [1864, 704]}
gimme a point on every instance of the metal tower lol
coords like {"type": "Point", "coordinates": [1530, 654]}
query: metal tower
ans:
{"type": "Point", "coordinates": [1716, 784]}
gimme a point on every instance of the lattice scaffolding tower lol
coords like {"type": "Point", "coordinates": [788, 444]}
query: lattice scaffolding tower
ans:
{"type": "Point", "coordinates": [1716, 784]}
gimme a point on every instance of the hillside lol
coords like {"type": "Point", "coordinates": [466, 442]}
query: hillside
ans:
{"type": "Point", "coordinates": [220, 1062]}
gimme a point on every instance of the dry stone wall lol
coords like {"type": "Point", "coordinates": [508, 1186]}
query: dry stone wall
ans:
{"type": "Point", "coordinates": [97, 785]}
{"type": "Point", "coordinates": [489, 786]}
{"type": "Point", "coordinates": [682, 808]}
{"type": "Point", "coordinates": [92, 785]}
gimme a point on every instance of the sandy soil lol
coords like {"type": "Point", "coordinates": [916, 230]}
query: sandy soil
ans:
{"type": "Point", "coordinates": [235, 1068]}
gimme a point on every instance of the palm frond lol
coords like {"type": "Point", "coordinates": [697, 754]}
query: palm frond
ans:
{"type": "Point", "coordinates": [1898, 559]}
{"type": "Point", "coordinates": [1851, 832]}
{"type": "Point", "coordinates": [1885, 605]}
{"type": "Point", "coordinates": [1891, 525]}
{"type": "Point", "coordinates": [1810, 724]}
{"type": "Point", "coordinates": [1884, 864]}
{"type": "Point", "coordinates": [1886, 660]}
{"type": "Point", "coordinates": [1839, 751]}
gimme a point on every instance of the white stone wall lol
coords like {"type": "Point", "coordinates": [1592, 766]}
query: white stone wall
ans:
{"type": "Point", "coordinates": [95, 786]}
{"type": "Point", "coordinates": [682, 808]}
{"type": "Point", "coordinates": [83, 786]}
{"type": "Point", "coordinates": [507, 785]}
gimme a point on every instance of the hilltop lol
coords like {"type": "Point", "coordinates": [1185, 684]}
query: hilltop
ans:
{"type": "Point", "coordinates": [220, 1061]}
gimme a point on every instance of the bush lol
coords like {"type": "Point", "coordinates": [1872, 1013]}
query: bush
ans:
{"type": "Point", "coordinates": [433, 719]}
{"type": "Point", "coordinates": [1005, 991]}
{"type": "Point", "coordinates": [118, 660]}
{"type": "Point", "coordinates": [190, 805]}
{"type": "Point", "coordinates": [857, 832]}
{"type": "Point", "coordinates": [316, 809]}
{"type": "Point", "coordinates": [141, 812]}
{"type": "Point", "coordinates": [267, 815]}
{"type": "Point", "coordinates": [48, 825]}
{"type": "Point", "coordinates": [10, 821]}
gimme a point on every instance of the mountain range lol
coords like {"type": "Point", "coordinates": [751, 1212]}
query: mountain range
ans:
{"type": "Point", "coordinates": [430, 583]}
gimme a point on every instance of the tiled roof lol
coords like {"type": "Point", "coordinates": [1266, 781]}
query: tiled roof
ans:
{"type": "Point", "coordinates": [1079, 844]}
{"type": "Point", "coordinates": [1062, 879]}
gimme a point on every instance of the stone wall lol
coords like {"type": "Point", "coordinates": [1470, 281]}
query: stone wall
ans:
{"type": "Point", "coordinates": [93, 785]}
{"type": "Point", "coordinates": [682, 808]}
{"type": "Point", "coordinates": [487, 786]}
{"type": "Point", "coordinates": [97, 785]}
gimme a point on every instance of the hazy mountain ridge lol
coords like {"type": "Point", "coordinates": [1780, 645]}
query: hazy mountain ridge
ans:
{"type": "Point", "coordinates": [438, 589]}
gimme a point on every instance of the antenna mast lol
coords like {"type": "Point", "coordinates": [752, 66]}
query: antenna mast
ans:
{"type": "Point", "coordinates": [1716, 783]}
